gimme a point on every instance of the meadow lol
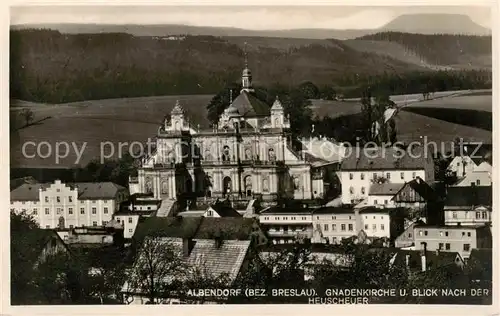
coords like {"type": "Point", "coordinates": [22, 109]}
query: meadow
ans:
{"type": "Point", "coordinates": [137, 119]}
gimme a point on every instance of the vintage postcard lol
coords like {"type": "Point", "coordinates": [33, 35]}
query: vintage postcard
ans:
{"type": "Point", "coordinates": [320, 155]}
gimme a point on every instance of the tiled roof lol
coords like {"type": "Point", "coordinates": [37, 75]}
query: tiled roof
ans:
{"type": "Point", "coordinates": [97, 190]}
{"type": "Point", "coordinates": [469, 196]}
{"type": "Point", "coordinates": [385, 188]}
{"type": "Point", "coordinates": [86, 190]}
{"type": "Point", "coordinates": [323, 150]}
{"type": "Point", "coordinates": [226, 258]}
{"type": "Point", "coordinates": [27, 192]}
{"type": "Point", "coordinates": [249, 105]}
{"type": "Point", "coordinates": [384, 159]}
{"type": "Point", "coordinates": [238, 228]}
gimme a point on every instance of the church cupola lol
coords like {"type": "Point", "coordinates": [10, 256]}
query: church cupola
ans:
{"type": "Point", "coordinates": [277, 114]}
{"type": "Point", "coordinates": [246, 76]}
{"type": "Point", "coordinates": [177, 117]}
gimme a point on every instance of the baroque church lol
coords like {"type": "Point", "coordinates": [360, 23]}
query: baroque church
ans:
{"type": "Point", "coordinates": [246, 155]}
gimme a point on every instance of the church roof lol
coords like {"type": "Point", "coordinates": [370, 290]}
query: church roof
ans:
{"type": "Point", "coordinates": [248, 105]}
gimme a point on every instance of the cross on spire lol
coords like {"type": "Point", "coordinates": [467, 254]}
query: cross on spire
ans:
{"type": "Point", "coordinates": [246, 55]}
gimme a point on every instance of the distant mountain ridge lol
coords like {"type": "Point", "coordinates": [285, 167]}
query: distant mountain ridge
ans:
{"type": "Point", "coordinates": [409, 23]}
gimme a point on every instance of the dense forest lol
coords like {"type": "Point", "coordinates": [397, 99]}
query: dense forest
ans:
{"type": "Point", "coordinates": [51, 67]}
{"type": "Point", "coordinates": [439, 49]}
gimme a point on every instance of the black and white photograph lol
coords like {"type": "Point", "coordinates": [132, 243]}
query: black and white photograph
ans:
{"type": "Point", "coordinates": [251, 154]}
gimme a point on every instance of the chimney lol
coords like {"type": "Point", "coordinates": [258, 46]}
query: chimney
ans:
{"type": "Point", "coordinates": [187, 244]}
{"type": "Point", "coordinates": [423, 257]}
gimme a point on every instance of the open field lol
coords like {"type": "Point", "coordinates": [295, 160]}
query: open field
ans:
{"type": "Point", "coordinates": [137, 119]}
{"type": "Point", "coordinates": [96, 122]}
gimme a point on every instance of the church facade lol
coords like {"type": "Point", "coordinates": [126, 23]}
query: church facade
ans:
{"type": "Point", "coordinates": [246, 155]}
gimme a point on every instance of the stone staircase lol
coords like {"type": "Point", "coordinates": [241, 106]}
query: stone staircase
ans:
{"type": "Point", "coordinates": [165, 208]}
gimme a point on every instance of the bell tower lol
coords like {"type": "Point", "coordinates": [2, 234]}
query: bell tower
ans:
{"type": "Point", "coordinates": [246, 77]}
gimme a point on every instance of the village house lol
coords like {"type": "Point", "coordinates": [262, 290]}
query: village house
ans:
{"type": "Point", "coordinates": [381, 194]}
{"type": "Point", "coordinates": [215, 257]}
{"type": "Point", "coordinates": [332, 224]}
{"type": "Point", "coordinates": [366, 166]}
{"type": "Point", "coordinates": [111, 234]}
{"type": "Point", "coordinates": [286, 224]}
{"type": "Point", "coordinates": [68, 205]}
{"type": "Point", "coordinates": [468, 205]}
{"type": "Point", "coordinates": [461, 239]}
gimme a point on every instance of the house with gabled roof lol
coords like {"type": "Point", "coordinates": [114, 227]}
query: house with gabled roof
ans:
{"type": "Point", "coordinates": [215, 258]}
{"type": "Point", "coordinates": [366, 166]}
{"type": "Point", "coordinates": [68, 205]}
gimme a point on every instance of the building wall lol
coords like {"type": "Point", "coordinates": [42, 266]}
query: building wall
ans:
{"type": "Point", "coordinates": [478, 215]}
{"type": "Point", "coordinates": [376, 224]}
{"type": "Point", "coordinates": [60, 201]}
{"type": "Point", "coordinates": [362, 180]}
{"type": "Point", "coordinates": [475, 179]}
{"type": "Point", "coordinates": [381, 201]}
{"type": "Point", "coordinates": [461, 165]}
{"type": "Point", "coordinates": [334, 227]}
{"type": "Point", "coordinates": [285, 228]}
{"type": "Point", "coordinates": [129, 223]}
{"type": "Point", "coordinates": [449, 239]}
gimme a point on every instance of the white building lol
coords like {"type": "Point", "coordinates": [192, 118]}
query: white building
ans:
{"type": "Point", "coordinates": [375, 222]}
{"type": "Point", "coordinates": [381, 194]}
{"type": "Point", "coordinates": [60, 205]}
{"type": "Point", "coordinates": [363, 167]}
{"type": "Point", "coordinates": [287, 224]}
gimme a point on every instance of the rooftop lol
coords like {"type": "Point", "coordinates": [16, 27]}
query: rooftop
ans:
{"type": "Point", "coordinates": [422, 188]}
{"type": "Point", "coordinates": [384, 159]}
{"type": "Point", "coordinates": [249, 105]}
{"type": "Point", "coordinates": [385, 188]}
{"type": "Point", "coordinates": [86, 190]}
{"type": "Point", "coordinates": [224, 209]}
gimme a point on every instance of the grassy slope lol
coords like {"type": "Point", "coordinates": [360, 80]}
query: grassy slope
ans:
{"type": "Point", "coordinates": [137, 119]}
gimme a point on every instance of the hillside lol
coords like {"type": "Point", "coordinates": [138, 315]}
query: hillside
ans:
{"type": "Point", "coordinates": [47, 66]}
{"type": "Point", "coordinates": [411, 23]}
{"type": "Point", "coordinates": [454, 51]}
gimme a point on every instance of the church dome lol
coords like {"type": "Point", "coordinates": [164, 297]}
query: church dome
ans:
{"type": "Point", "coordinates": [246, 72]}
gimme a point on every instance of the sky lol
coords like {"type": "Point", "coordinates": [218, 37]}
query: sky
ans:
{"type": "Point", "coordinates": [249, 17]}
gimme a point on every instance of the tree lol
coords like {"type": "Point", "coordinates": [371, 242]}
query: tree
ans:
{"type": "Point", "coordinates": [27, 115]}
{"type": "Point", "coordinates": [156, 270]}
{"type": "Point", "coordinates": [309, 90]}
{"type": "Point", "coordinates": [221, 101]}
